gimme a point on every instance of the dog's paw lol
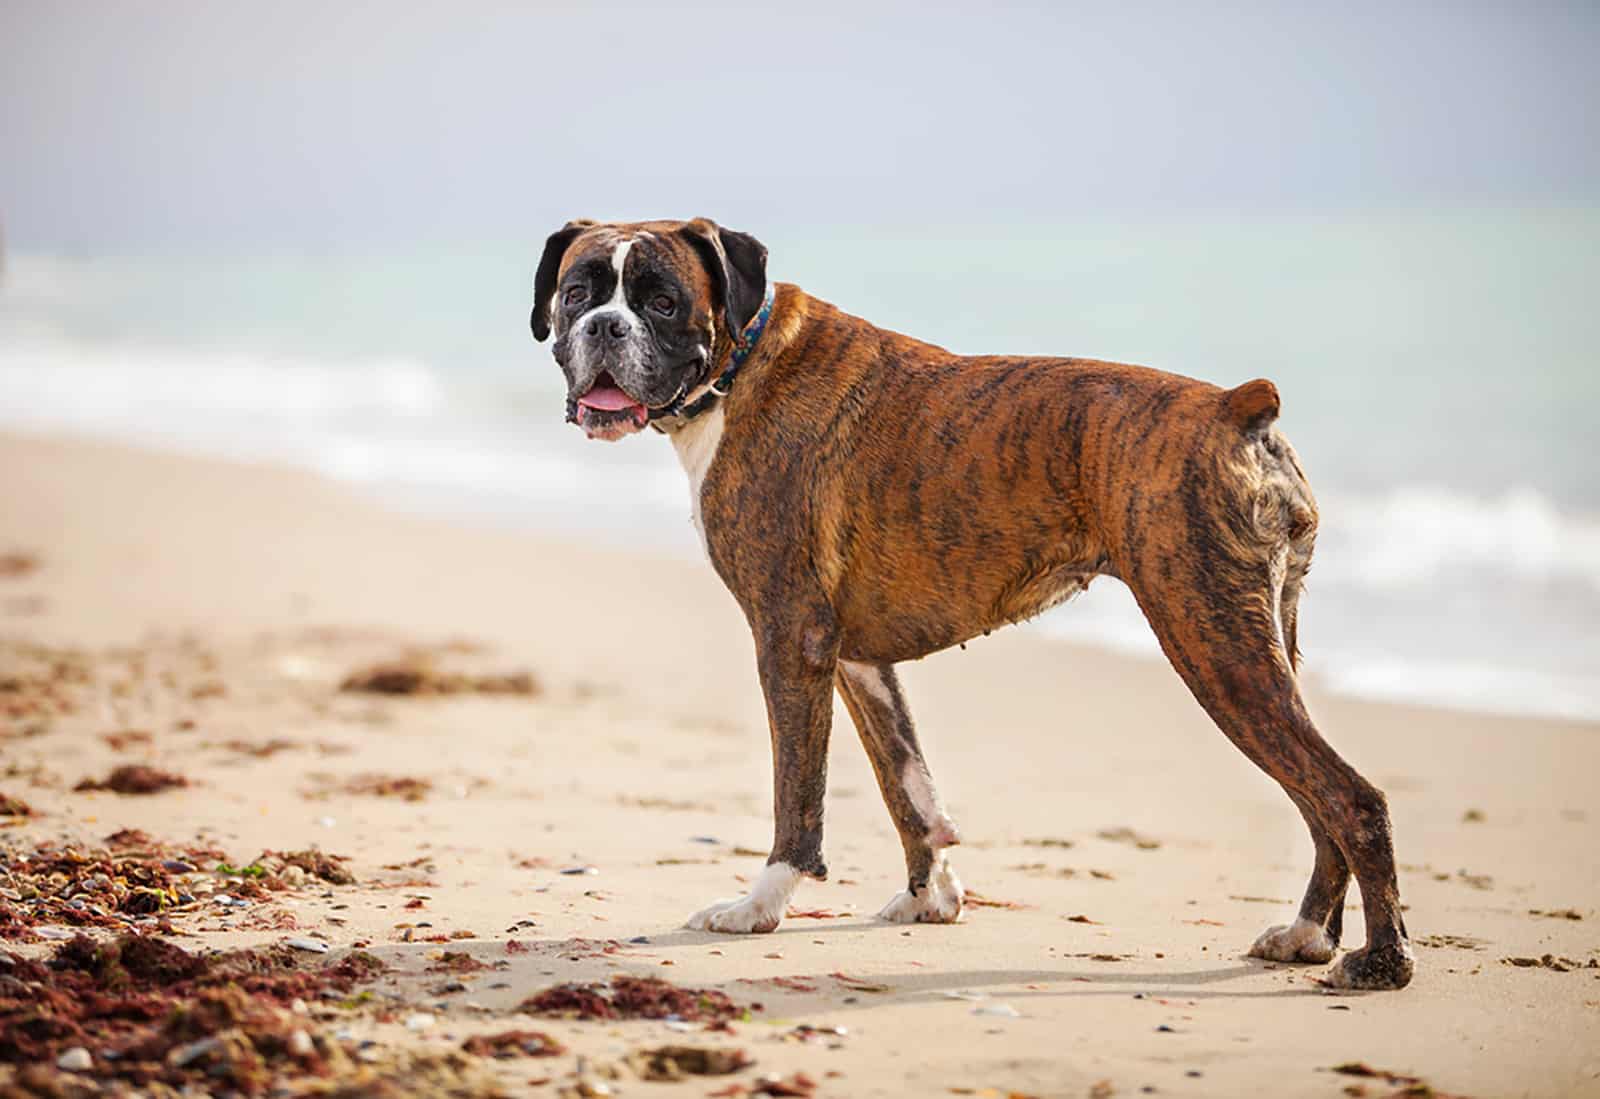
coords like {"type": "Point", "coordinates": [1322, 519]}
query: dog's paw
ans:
{"type": "Point", "coordinates": [938, 902]}
{"type": "Point", "coordinates": [1301, 941]}
{"type": "Point", "coordinates": [759, 911]}
{"type": "Point", "coordinates": [1381, 968]}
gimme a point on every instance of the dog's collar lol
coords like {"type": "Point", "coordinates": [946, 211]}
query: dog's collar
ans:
{"type": "Point", "coordinates": [742, 348]}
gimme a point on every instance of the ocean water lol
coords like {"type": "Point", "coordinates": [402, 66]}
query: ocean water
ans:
{"type": "Point", "coordinates": [1440, 374]}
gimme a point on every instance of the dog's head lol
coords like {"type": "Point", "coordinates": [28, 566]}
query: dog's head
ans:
{"type": "Point", "coordinates": [643, 312]}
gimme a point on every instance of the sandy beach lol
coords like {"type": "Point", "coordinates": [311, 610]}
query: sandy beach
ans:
{"type": "Point", "coordinates": [590, 766]}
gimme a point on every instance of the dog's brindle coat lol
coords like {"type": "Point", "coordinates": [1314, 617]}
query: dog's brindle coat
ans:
{"type": "Point", "coordinates": [869, 498]}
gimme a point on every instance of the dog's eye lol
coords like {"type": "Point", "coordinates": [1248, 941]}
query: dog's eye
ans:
{"type": "Point", "coordinates": [575, 295]}
{"type": "Point", "coordinates": [663, 305]}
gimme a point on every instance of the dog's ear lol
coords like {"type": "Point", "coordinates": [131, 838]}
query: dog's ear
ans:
{"type": "Point", "coordinates": [738, 266]}
{"type": "Point", "coordinates": [544, 283]}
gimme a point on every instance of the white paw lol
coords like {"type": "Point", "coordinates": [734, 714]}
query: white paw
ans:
{"type": "Point", "coordinates": [758, 911]}
{"type": "Point", "coordinates": [1301, 941]}
{"type": "Point", "coordinates": [940, 902]}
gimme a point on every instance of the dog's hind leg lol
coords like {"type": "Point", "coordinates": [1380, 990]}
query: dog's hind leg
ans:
{"type": "Point", "coordinates": [1210, 578]}
{"type": "Point", "coordinates": [872, 694]}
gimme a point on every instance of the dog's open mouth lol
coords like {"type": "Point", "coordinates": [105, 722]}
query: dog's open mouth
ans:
{"type": "Point", "coordinates": [606, 412]}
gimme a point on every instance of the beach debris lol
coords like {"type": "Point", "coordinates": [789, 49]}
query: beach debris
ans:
{"type": "Point", "coordinates": [127, 738]}
{"type": "Point", "coordinates": [788, 984]}
{"type": "Point", "coordinates": [634, 998]}
{"type": "Point", "coordinates": [161, 1015]}
{"type": "Point", "coordinates": [258, 749]}
{"type": "Point", "coordinates": [1049, 841]}
{"type": "Point", "coordinates": [1473, 816]}
{"type": "Point", "coordinates": [796, 1085]}
{"type": "Point", "coordinates": [15, 564]}
{"type": "Point", "coordinates": [1001, 1010]}
{"type": "Point", "coordinates": [133, 880]}
{"type": "Point", "coordinates": [858, 984]}
{"type": "Point", "coordinates": [417, 674]}
{"type": "Point", "coordinates": [974, 899]}
{"type": "Point", "coordinates": [455, 961]}
{"type": "Point", "coordinates": [672, 1063]}
{"type": "Point", "coordinates": [12, 806]}
{"type": "Point", "coordinates": [814, 914]}
{"type": "Point", "coordinates": [1456, 942]}
{"type": "Point", "coordinates": [574, 871]}
{"type": "Point", "coordinates": [76, 1059]}
{"type": "Point", "coordinates": [312, 946]}
{"type": "Point", "coordinates": [1551, 962]}
{"type": "Point", "coordinates": [1366, 1071]}
{"type": "Point", "coordinates": [1128, 835]}
{"type": "Point", "coordinates": [1476, 881]}
{"type": "Point", "coordinates": [1101, 1089]}
{"type": "Point", "coordinates": [513, 1043]}
{"type": "Point", "coordinates": [1259, 900]}
{"type": "Point", "coordinates": [317, 864]}
{"type": "Point", "coordinates": [404, 787]}
{"type": "Point", "coordinates": [1557, 914]}
{"type": "Point", "coordinates": [806, 1032]}
{"type": "Point", "coordinates": [134, 778]}
{"type": "Point", "coordinates": [1081, 919]}
{"type": "Point", "coordinates": [419, 1021]}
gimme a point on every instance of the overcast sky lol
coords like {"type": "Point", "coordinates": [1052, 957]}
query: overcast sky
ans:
{"type": "Point", "coordinates": [210, 124]}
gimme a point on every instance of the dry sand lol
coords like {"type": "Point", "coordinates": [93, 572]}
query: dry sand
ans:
{"type": "Point", "coordinates": [229, 602]}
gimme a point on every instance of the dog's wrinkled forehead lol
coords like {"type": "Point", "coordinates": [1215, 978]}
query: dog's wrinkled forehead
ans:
{"type": "Point", "coordinates": [649, 256]}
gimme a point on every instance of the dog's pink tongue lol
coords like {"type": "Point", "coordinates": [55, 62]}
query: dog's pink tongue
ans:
{"type": "Point", "coordinates": [607, 398]}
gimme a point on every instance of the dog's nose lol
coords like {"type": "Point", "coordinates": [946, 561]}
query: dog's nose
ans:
{"type": "Point", "coordinates": [613, 326]}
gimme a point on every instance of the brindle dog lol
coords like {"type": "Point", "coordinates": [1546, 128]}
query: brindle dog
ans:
{"type": "Point", "coordinates": [869, 498]}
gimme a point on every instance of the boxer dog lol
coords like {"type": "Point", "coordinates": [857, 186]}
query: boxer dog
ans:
{"type": "Point", "coordinates": [869, 498]}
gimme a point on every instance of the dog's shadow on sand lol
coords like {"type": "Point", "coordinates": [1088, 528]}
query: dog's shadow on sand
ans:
{"type": "Point", "coordinates": [918, 985]}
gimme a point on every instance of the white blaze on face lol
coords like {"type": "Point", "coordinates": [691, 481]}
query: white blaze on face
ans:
{"type": "Point", "coordinates": [617, 304]}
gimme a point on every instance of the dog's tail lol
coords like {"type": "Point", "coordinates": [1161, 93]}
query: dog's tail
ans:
{"type": "Point", "coordinates": [1279, 509]}
{"type": "Point", "coordinates": [1252, 407]}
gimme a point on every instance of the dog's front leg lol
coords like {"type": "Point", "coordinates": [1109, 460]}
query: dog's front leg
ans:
{"type": "Point", "coordinates": [796, 655]}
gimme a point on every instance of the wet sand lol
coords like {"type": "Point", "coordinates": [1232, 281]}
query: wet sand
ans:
{"type": "Point", "coordinates": [1126, 853]}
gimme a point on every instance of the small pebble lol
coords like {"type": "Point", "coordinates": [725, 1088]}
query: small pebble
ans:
{"type": "Point", "coordinates": [177, 866]}
{"type": "Point", "coordinates": [419, 1020]}
{"type": "Point", "coordinates": [574, 870]}
{"type": "Point", "coordinates": [300, 1044]}
{"type": "Point", "coordinates": [316, 946]}
{"type": "Point", "coordinates": [76, 1059]}
{"type": "Point", "coordinates": [58, 933]}
{"type": "Point", "coordinates": [704, 839]}
{"type": "Point", "coordinates": [184, 1055]}
{"type": "Point", "coordinates": [1003, 1010]}
{"type": "Point", "coordinates": [1165, 1029]}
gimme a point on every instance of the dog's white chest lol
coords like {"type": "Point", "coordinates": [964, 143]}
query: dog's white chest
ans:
{"type": "Point", "coordinates": [696, 444]}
